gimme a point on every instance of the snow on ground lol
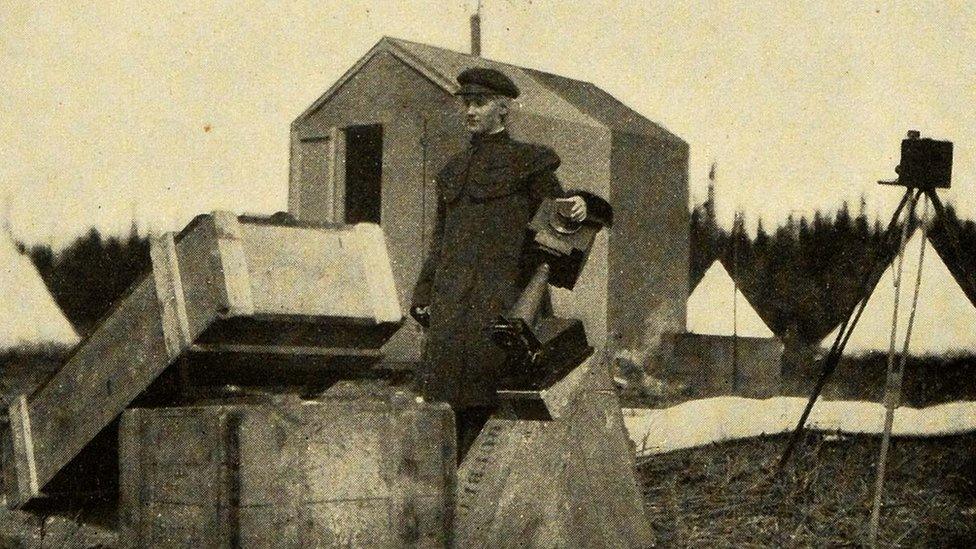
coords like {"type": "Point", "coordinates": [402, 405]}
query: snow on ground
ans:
{"type": "Point", "coordinates": [706, 421]}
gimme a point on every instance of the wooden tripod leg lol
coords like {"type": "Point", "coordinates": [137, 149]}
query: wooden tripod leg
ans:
{"type": "Point", "coordinates": [846, 329]}
{"type": "Point", "coordinates": [893, 379]}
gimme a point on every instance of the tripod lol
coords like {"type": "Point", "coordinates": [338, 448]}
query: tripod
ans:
{"type": "Point", "coordinates": [917, 184]}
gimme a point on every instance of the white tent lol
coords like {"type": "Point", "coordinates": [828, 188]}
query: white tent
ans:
{"type": "Point", "coordinates": [28, 313]}
{"type": "Point", "coordinates": [945, 321]}
{"type": "Point", "coordinates": [717, 307]}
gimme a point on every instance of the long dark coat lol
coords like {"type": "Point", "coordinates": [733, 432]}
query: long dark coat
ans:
{"type": "Point", "coordinates": [480, 261]}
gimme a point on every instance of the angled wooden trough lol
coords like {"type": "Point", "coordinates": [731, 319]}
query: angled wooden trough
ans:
{"type": "Point", "coordinates": [223, 284]}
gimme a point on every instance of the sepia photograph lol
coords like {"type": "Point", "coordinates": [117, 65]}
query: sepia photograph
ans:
{"type": "Point", "coordinates": [487, 274]}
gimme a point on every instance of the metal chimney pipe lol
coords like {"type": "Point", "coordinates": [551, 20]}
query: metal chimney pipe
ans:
{"type": "Point", "coordinates": [476, 33]}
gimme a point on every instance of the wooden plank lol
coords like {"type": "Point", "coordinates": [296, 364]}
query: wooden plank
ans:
{"type": "Point", "coordinates": [202, 275]}
{"type": "Point", "coordinates": [368, 242]}
{"type": "Point", "coordinates": [229, 507]}
{"type": "Point", "coordinates": [290, 350]}
{"type": "Point", "coordinates": [399, 467]}
{"type": "Point", "coordinates": [8, 472]}
{"type": "Point", "coordinates": [237, 279]}
{"type": "Point", "coordinates": [22, 453]}
{"type": "Point", "coordinates": [314, 272]}
{"type": "Point", "coordinates": [169, 291]}
{"type": "Point", "coordinates": [449, 474]}
{"type": "Point", "coordinates": [131, 527]}
{"type": "Point", "coordinates": [294, 175]}
{"type": "Point", "coordinates": [432, 482]}
{"type": "Point", "coordinates": [173, 494]}
{"type": "Point", "coordinates": [273, 451]}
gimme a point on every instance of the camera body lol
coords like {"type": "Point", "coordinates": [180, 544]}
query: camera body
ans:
{"type": "Point", "coordinates": [925, 163]}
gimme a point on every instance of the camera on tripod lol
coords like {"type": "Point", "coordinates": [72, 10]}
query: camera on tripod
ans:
{"type": "Point", "coordinates": [925, 163]}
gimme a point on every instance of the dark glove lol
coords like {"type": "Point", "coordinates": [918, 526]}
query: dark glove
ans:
{"type": "Point", "coordinates": [421, 314]}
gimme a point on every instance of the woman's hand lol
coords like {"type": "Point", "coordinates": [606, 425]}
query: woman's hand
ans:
{"type": "Point", "coordinates": [577, 212]}
{"type": "Point", "coordinates": [421, 315]}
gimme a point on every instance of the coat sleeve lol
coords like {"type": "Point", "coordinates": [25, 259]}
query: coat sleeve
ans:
{"type": "Point", "coordinates": [542, 180]}
{"type": "Point", "coordinates": [424, 287]}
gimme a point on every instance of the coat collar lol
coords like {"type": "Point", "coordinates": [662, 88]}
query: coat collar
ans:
{"type": "Point", "coordinates": [479, 139]}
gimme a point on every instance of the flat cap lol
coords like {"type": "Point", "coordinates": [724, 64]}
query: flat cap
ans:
{"type": "Point", "coordinates": [478, 80]}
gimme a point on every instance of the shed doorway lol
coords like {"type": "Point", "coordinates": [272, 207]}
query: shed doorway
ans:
{"type": "Point", "coordinates": [364, 173]}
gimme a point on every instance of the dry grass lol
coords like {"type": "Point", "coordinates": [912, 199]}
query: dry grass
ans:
{"type": "Point", "coordinates": [722, 495]}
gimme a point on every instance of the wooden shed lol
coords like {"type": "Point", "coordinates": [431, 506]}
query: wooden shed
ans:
{"type": "Point", "coordinates": [728, 348]}
{"type": "Point", "coordinates": [369, 148]}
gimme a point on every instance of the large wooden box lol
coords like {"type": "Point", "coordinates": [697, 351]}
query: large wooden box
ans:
{"type": "Point", "coordinates": [343, 473]}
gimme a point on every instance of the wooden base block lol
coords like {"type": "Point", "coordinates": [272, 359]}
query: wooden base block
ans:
{"type": "Point", "coordinates": [340, 473]}
{"type": "Point", "coordinates": [567, 482]}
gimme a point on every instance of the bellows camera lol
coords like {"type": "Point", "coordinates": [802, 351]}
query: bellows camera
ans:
{"type": "Point", "coordinates": [925, 163]}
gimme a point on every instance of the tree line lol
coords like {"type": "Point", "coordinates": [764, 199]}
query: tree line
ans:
{"type": "Point", "coordinates": [802, 278]}
{"type": "Point", "coordinates": [89, 275]}
{"type": "Point", "coordinates": [806, 276]}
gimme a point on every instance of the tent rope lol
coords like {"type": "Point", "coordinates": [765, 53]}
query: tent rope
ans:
{"type": "Point", "coordinates": [896, 370]}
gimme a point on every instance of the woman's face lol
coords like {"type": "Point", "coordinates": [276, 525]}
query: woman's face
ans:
{"type": "Point", "coordinates": [484, 113]}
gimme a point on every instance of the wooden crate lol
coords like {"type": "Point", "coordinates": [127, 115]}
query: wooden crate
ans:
{"type": "Point", "coordinates": [224, 285]}
{"type": "Point", "coordinates": [342, 473]}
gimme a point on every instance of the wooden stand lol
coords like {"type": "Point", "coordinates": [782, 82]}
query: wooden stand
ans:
{"type": "Point", "coordinates": [568, 482]}
{"type": "Point", "coordinates": [555, 468]}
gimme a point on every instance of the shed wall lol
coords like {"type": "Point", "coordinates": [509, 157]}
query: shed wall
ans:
{"type": "Point", "coordinates": [722, 365]}
{"type": "Point", "coordinates": [648, 284]}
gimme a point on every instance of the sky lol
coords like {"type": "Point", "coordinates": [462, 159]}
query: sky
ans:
{"type": "Point", "coordinates": [157, 111]}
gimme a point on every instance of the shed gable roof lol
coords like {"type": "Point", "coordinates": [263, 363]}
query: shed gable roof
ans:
{"type": "Point", "coordinates": [542, 93]}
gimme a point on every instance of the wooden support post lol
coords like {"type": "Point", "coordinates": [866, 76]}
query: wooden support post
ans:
{"type": "Point", "coordinates": [237, 279]}
{"type": "Point", "coordinates": [337, 174]}
{"type": "Point", "coordinates": [131, 473]}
